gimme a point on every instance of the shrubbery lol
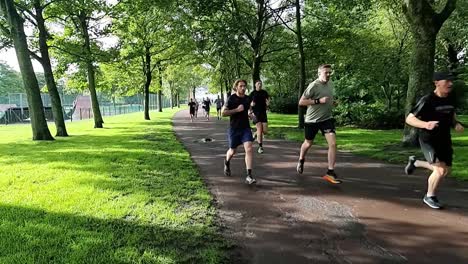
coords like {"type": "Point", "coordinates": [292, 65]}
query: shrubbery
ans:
{"type": "Point", "coordinates": [371, 116]}
{"type": "Point", "coordinates": [286, 104]}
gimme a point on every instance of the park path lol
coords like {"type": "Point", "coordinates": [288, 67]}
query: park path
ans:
{"type": "Point", "coordinates": [375, 216]}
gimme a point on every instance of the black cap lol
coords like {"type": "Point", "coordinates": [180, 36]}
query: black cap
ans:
{"type": "Point", "coordinates": [442, 76]}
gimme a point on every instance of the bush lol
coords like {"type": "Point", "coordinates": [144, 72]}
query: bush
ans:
{"type": "Point", "coordinates": [285, 104]}
{"type": "Point", "coordinates": [373, 116]}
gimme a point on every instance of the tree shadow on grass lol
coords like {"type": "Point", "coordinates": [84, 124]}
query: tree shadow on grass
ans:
{"type": "Point", "coordinates": [35, 236]}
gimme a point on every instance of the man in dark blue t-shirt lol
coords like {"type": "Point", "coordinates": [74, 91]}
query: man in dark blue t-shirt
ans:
{"type": "Point", "coordinates": [239, 133]}
{"type": "Point", "coordinates": [260, 101]}
{"type": "Point", "coordinates": [434, 115]}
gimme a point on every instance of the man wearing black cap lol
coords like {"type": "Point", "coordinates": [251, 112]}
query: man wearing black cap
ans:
{"type": "Point", "coordinates": [434, 115]}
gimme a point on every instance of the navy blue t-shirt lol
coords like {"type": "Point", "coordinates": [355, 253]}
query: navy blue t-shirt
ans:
{"type": "Point", "coordinates": [238, 120]}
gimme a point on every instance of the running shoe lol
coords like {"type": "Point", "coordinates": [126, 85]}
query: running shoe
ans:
{"type": "Point", "coordinates": [432, 202]}
{"type": "Point", "coordinates": [300, 167]}
{"type": "Point", "coordinates": [250, 180]}
{"type": "Point", "coordinates": [227, 169]}
{"type": "Point", "coordinates": [410, 167]}
{"type": "Point", "coordinates": [331, 177]}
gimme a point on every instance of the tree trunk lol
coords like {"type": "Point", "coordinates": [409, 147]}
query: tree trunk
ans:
{"type": "Point", "coordinates": [36, 110]}
{"type": "Point", "coordinates": [91, 73]}
{"type": "Point", "coordinates": [302, 72]}
{"type": "Point", "coordinates": [48, 73]}
{"type": "Point", "coordinates": [149, 77]}
{"type": "Point", "coordinates": [425, 23]}
{"type": "Point", "coordinates": [160, 107]}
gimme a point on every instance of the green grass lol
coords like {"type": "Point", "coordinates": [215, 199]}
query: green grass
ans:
{"type": "Point", "coordinates": [380, 144]}
{"type": "Point", "coordinates": [128, 193]}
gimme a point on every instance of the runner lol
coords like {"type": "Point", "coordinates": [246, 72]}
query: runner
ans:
{"type": "Point", "coordinates": [219, 104]}
{"type": "Point", "coordinates": [191, 105]}
{"type": "Point", "coordinates": [239, 132]}
{"type": "Point", "coordinates": [206, 106]}
{"type": "Point", "coordinates": [318, 97]}
{"type": "Point", "coordinates": [434, 115]}
{"type": "Point", "coordinates": [260, 101]}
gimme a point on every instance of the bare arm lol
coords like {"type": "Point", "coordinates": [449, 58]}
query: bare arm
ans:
{"type": "Point", "coordinates": [413, 121]}
{"type": "Point", "coordinates": [306, 102]}
{"type": "Point", "coordinates": [459, 127]}
{"type": "Point", "coordinates": [227, 112]}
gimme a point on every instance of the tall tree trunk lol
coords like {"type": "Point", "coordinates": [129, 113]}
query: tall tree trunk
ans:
{"type": "Point", "coordinates": [160, 102]}
{"type": "Point", "coordinates": [425, 23]}
{"type": "Point", "coordinates": [302, 71]}
{"type": "Point", "coordinates": [178, 100]}
{"type": "Point", "coordinates": [172, 94]}
{"type": "Point", "coordinates": [98, 121]}
{"type": "Point", "coordinates": [39, 126]}
{"type": "Point", "coordinates": [257, 60]}
{"type": "Point", "coordinates": [48, 73]}
{"type": "Point", "coordinates": [149, 78]}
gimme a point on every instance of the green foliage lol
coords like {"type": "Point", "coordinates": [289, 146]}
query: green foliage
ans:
{"type": "Point", "coordinates": [286, 104]}
{"type": "Point", "coordinates": [10, 80]}
{"type": "Point", "coordinates": [367, 115]}
{"type": "Point", "coordinates": [126, 194]}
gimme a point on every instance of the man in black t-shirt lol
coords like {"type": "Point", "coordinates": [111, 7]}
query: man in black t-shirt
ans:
{"type": "Point", "coordinates": [206, 106]}
{"type": "Point", "coordinates": [260, 101]}
{"type": "Point", "coordinates": [239, 132]}
{"type": "Point", "coordinates": [434, 115]}
{"type": "Point", "coordinates": [219, 104]}
{"type": "Point", "coordinates": [192, 105]}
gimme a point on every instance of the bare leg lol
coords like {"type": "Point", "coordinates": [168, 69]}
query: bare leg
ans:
{"type": "Point", "coordinates": [331, 140]}
{"type": "Point", "coordinates": [259, 133]}
{"type": "Point", "coordinates": [304, 148]}
{"type": "Point", "coordinates": [230, 153]}
{"type": "Point", "coordinates": [439, 171]}
{"type": "Point", "coordinates": [423, 164]}
{"type": "Point", "coordinates": [248, 155]}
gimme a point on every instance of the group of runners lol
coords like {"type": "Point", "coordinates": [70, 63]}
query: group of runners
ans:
{"type": "Point", "coordinates": [433, 116]}
{"type": "Point", "coordinates": [206, 105]}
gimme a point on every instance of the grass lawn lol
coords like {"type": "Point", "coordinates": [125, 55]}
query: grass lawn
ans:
{"type": "Point", "coordinates": [380, 144]}
{"type": "Point", "coordinates": [128, 193]}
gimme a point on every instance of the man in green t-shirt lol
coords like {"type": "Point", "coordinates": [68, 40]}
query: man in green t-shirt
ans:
{"type": "Point", "coordinates": [318, 97]}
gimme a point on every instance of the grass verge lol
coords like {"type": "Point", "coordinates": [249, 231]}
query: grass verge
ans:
{"type": "Point", "coordinates": [128, 193]}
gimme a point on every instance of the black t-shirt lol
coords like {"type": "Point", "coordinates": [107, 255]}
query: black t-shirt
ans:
{"type": "Point", "coordinates": [207, 104]}
{"type": "Point", "coordinates": [192, 106]}
{"type": "Point", "coordinates": [259, 98]}
{"type": "Point", "coordinates": [434, 108]}
{"type": "Point", "coordinates": [239, 120]}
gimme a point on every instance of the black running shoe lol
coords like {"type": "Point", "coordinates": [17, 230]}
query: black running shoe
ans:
{"type": "Point", "coordinates": [227, 169]}
{"type": "Point", "coordinates": [300, 167]}
{"type": "Point", "coordinates": [409, 169]}
{"type": "Point", "coordinates": [432, 202]}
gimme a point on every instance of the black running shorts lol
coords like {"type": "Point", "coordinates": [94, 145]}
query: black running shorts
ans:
{"type": "Point", "coordinates": [437, 152]}
{"type": "Point", "coordinates": [311, 129]}
{"type": "Point", "coordinates": [260, 117]}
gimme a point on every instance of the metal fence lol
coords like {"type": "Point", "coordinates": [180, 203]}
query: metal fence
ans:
{"type": "Point", "coordinates": [14, 107]}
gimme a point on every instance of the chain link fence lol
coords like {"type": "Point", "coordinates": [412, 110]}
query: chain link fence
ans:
{"type": "Point", "coordinates": [14, 107]}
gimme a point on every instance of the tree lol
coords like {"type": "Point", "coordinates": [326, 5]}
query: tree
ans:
{"type": "Point", "coordinates": [37, 18]}
{"type": "Point", "coordinates": [83, 22]}
{"type": "Point", "coordinates": [16, 31]}
{"type": "Point", "coordinates": [424, 23]}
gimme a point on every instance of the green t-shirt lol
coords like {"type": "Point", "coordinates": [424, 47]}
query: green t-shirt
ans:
{"type": "Point", "coordinates": [319, 112]}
